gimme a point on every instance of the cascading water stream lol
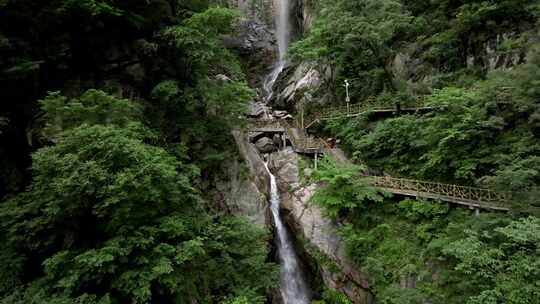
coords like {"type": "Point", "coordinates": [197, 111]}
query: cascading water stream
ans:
{"type": "Point", "coordinates": [293, 287]}
{"type": "Point", "coordinates": [283, 33]}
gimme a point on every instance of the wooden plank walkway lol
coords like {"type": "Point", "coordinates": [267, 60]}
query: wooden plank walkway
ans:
{"type": "Point", "coordinates": [301, 141]}
{"type": "Point", "coordinates": [476, 198]}
{"type": "Point", "coordinates": [355, 110]}
{"type": "Point", "coordinates": [265, 126]}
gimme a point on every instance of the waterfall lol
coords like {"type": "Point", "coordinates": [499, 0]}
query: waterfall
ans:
{"type": "Point", "coordinates": [292, 284]}
{"type": "Point", "coordinates": [283, 33]}
{"type": "Point", "coordinates": [283, 28]}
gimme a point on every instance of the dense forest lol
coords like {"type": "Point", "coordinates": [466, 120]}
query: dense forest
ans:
{"type": "Point", "coordinates": [121, 111]}
{"type": "Point", "coordinates": [115, 126]}
{"type": "Point", "coordinates": [478, 64]}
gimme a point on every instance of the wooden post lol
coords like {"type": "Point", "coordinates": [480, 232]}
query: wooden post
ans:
{"type": "Point", "coordinates": [302, 115]}
{"type": "Point", "coordinates": [477, 211]}
{"type": "Point", "coordinates": [316, 158]}
{"type": "Point", "coordinates": [348, 98]}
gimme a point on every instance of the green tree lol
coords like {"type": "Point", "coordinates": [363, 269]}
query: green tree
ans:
{"type": "Point", "coordinates": [344, 189]}
{"type": "Point", "coordinates": [503, 264]}
{"type": "Point", "coordinates": [113, 218]}
{"type": "Point", "coordinates": [355, 39]}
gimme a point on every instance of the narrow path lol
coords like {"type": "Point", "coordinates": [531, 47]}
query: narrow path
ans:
{"type": "Point", "coordinates": [354, 110]}
{"type": "Point", "coordinates": [472, 197]}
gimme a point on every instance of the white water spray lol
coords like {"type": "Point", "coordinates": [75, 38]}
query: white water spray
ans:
{"type": "Point", "coordinates": [293, 289]}
{"type": "Point", "coordinates": [283, 36]}
{"type": "Point", "coordinates": [283, 27]}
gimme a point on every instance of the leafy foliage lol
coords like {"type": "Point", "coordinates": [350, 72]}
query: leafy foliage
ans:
{"type": "Point", "coordinates": [113, 218]}
{"type": "Point", "coordinates": [3, 122]}
{"type": "Point", "coordinates": [344, 189]}
{"type": "Point", "coordinates": [355, 39]}
{"type": "Point", "coordinates": [484, 135]}
{"type": "Point", "coordinates": [93, 107]}
{"type": "Point", "coordinates": [416, 251]}
{"type": "Point", "coordinates": [333, 297]}
{"type": "Point", "coordinates": [506, 262]}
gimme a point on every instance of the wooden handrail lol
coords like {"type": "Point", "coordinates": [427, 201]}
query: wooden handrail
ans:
{"type": "Point", "coordinates": [358, 109]}
{"type": "Point", "coordinates": [471, 196]}
{"type": "Point", "coordinates": [264, 124]}
{"type": "Point", "coordinates": [480, 196]}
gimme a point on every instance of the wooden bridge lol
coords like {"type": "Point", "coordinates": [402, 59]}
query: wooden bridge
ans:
{"type": "Point", "coordinates": [476, 198]}
{"type": "Point", "coordinates": [265, 126]}
{"type": "Point", "coordinates": [301, 142]}
{"type": "Point", "coordinates": [354, 110]}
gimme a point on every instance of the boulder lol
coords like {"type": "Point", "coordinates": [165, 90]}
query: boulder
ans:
{"type": "Point", "coordinates": [254, 136]}
{"type": "Point", "coordinates": [265, 145]}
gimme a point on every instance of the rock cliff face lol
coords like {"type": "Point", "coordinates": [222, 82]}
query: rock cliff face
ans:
{"type": "Point", "coordinates": [297, 84]}
{"type": "Point", "coordinates": [245, 190]}
{"type": "Point", "coordinates": [406, 66]}
{"type": "Point", "coordinates": [320, 233]}
{"type": "Point", "coordinates": [239, 194]}
{"type": "Point", "coordinates": [245, 193]}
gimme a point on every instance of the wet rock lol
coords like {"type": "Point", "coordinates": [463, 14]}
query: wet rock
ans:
{"type": "Point", "coordinates": [251, 37]}
{"type": "Point", "coordinates": [256, 109]}
{"type": "Point", "coordinates": [279, 114]}
{"type": "Point", "coordinates": [254, 136]}
{"type": "Point", "coordinates": [297, 83]}
{"type": "Point", "coordinates": [239, 194]}
{"type": "Point", "coordinates": [254, 162]}
{"type": "Point", "coordinates": [285, 165]}
{"type": "Point", "coordinates": [265, 145]}
{"type": "Point", "coordinates": [321, 232]}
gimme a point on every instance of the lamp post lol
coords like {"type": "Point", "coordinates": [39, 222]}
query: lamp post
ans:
{"type": "Point", "coordinates": [347, 98]}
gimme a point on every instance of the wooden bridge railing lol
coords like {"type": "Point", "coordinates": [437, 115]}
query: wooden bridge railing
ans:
{"type": "Point", "coordinates": [301, 142]}
{"type": "Point", "coordinates": [357, 109]}
{"type": "Point", "coordinates": [471, 196]}
{"type": "Point", "coordinates": [257, 125]}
